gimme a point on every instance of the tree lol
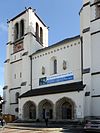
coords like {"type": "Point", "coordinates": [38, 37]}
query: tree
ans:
{"type": "Point", "coordinates": [1, 100]}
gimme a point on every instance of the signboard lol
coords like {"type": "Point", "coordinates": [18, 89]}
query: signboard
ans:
{"type": "Point", "coordinates": [60, 78]}
{"type": "Point", "coordinates": [55, 79]}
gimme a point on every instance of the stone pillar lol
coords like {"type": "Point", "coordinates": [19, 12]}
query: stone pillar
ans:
{"type": "Point", "coordinates": [20, 110]}
{"type": "Point", "coordinates": [54, 112]}
{"type": "Point", "coordinates": [37, 112]}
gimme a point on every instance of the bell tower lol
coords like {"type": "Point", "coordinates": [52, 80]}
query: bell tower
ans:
{"type": "Point", "coordinates": [90, 37]}
{"type": "Point", "coordinates": [27, 33]}
{"type": "Point", "coordinates": [95, 50]}
{"type": "Point", "coordinates": [86, 53]}
{"type": "Point", "coordinates": [25, 27]}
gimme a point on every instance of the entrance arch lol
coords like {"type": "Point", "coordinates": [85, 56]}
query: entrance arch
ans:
{"type": "Point", "coordinates": [45, 109]}
{"type": "Point", "coordinates": [29, 110]}
{"type": "Point", "coordinates": [65, 109]}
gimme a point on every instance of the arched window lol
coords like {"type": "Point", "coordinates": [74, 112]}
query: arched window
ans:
{"type": "Point", "coordinates": [17, 96]}
{"type": "Point", "coordinates": [21, 28]}
{"type": "Point", "coordinates": [16, 110]}
{"type": "Point", "coordinates": [37, 32]}
{"type": "Point", "coordinates": [43, 70]}
{"type": "Point", "coordinates": [55, 66]}
{"type": "Point", "coordinates": [41, 35]}
{"type": "Point", "coordinates": [16, 35]}
{"type": "Point", "coordinates": [64, 65]}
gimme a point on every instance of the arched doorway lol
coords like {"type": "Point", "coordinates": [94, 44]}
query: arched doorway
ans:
{"type": "Point", "coordinates": [45, 109]}
{"type": "Point", "coordinates": [29, 110]}
{"type": "Point", "coordinates": [64, 109]}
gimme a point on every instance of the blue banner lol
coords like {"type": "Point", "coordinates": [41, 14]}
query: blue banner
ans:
{"type": "Point", "coordinates": [59, 79]}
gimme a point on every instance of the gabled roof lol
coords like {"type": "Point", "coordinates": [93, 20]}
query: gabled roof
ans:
{"type": "Point", "coordinates": [25, 12]}
{"type": "Point", "coordinates": [57, 44]}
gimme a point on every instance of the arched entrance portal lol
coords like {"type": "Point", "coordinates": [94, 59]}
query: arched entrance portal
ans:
{"type": "Point", "coordinates": [45, 109]}
{"type": "Point", "coordinates": [29, 110]}
{"type": "Point", "coordinates": [64, 109]}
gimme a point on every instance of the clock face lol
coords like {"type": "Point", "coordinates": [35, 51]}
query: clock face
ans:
{"type": "Point", "coordinates": [18, 47]}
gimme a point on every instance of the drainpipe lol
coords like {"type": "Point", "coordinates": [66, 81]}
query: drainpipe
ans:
{"type": "Point", "coordinates": [82, 58]}
{"type": "Point", "coordinates": [30, 72]}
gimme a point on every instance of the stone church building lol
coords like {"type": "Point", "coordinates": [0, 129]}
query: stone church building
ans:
{"type": "Point", "coordinates": [59, 82]}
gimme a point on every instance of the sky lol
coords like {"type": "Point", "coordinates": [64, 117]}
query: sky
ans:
{"type": "Point", "coordinates": [61, 16]}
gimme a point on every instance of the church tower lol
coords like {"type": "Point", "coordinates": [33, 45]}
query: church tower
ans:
{"type": "Point", "coordinates": [90, 38]}
{"type": "Point", "coordinates": [27, 33]}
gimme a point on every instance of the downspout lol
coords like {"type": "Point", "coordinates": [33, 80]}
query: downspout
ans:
{"type": "Point", "coordinates": [81, 58]}
{"type": "Point", "coordinates": [30, 72]}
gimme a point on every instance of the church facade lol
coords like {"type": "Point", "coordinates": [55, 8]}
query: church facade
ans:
{"type": "Point", "coordinates": [58, 82]}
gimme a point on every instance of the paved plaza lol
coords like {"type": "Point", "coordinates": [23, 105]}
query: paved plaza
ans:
{"type": "Point", "coordinates": [11, 130]}
{"type": "Point", "coordinates": [19, 129]}
{"type": "Point", "coordinates": [6, 130]}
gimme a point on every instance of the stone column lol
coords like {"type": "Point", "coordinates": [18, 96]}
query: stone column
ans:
{"type": "Point", "coordinates": [37, 112]}
{"type": "Point", "coordinates": [20, 110]}
{"type": "Point", "coordinates": [54, 112]}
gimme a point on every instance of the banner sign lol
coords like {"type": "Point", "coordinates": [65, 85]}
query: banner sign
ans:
{"type": "Point", "coordinates": [60, 78]}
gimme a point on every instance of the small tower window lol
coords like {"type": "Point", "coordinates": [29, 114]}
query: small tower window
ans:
{"type": "Point", "coordinates": [43, 70]}
{"type": "Point", "coordinates": [21, 28]}
{"type": "Point", "coordinates": [55, 66]}
{"type": "Point", "coordinates": [14, 76]}
{"type": "Point", "coordinates": [41, 35]}
{"type": "Point", "coordinates": [37, 32]}
{"type": "Point", "coordinates": [20, 75]}
{"type": "Point", "coordinates": [17, 96]}
{"type": "Point", "coordinates": [15, 57]}
{"type": "Point", "coordinates": [16, 32]}
{"type": "Point", "coordinates": [64, 65]}
{"type": "Point", "coordinates": [16, 110]}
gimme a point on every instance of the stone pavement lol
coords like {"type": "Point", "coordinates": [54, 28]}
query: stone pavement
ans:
{"type": "Point", "coordinates": [19, 129]}
{"type": "Point", "coordinates": [41, 128]}
{"type": "Point", "coordinates": [23, 130]}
